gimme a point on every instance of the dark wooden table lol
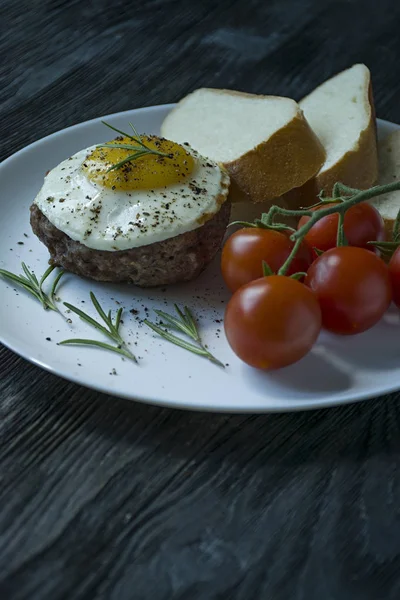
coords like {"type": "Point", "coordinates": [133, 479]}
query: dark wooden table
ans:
{"type": "Point", "coordinates": [103, 498]}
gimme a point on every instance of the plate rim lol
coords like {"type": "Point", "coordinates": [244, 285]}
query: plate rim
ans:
{"type": "Point", "coordinates": [121, 113]}
{"type": "Point", "coordinates": [315, 404]}
{"type": "Point", "coordinates": [312, 404]}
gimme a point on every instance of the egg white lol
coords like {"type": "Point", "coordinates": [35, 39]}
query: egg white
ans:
{"type": "Point", "coordinates": [106, 219]}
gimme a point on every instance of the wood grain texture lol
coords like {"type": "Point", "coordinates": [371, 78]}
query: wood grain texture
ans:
{"type": "Point", "coordinates": [101, 498]}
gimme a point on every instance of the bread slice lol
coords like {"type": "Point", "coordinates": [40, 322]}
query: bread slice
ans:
{"type": "Point", "coordinates": [389, 171]}
{"type": "Point", "coordinates": [341, 112]}
{"type": "Point", "coordinates": [264, 142]}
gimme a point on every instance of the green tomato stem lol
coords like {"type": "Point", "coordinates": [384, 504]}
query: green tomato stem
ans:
{"type": "Point", "coordinates": [377, 190]}
{"type": "Point", "coordinates": [396, 228]}
{"type": "Point", "coordinates": [287, 212]}
{"type": "Point", "coordinates": [284, 268]}
{"type": "Point", "coordinates": [315, 216]}
{"type": "Point", "coordinates": [266, 269]}
{"type": "Point", "coordinates": [341, 238]}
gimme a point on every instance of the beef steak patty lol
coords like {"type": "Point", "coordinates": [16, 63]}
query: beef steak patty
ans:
{"type": "Point", "coordinates": [180, 258]}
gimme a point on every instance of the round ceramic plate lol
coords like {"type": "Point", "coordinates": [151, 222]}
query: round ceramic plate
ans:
{"type": "Point", "coordinates": [338, 370]}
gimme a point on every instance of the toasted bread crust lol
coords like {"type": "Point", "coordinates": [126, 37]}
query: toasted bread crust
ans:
{"type": "Point", "coordinates": [389, 171]}
{"type": "Point", "coordinates": [287, 159]}
{"type": "Point", "coordinates": [389, 224]}
{"type": "Point", "coordinates": [357, 168]}
{"type": "Point", "coordinates": [290, 157]}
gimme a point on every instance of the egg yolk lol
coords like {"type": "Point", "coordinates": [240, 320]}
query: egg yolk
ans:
{"type": "Point", "coordinates": [148, 171]}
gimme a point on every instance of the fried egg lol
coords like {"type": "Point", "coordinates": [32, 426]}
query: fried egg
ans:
{"type": "Point", "coordinates": [146, 200]}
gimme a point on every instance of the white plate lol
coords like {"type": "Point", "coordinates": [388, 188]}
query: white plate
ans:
{"type": "Point", "coordinates": [338, 370]}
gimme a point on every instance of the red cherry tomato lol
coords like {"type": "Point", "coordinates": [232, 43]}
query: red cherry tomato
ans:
{"type": "Point", "coordinates": [353, 288]}
{"type": "Point", "coordinates": [362, 224]}
{"type": "Point", "coordinates": [394, 271]}
{"type": "Point", "coordinates": [244, 251]}
{"type": "Point", "coordinates": [272, 322]}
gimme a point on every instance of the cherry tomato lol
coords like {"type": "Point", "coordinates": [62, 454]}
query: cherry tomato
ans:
{"type": "Point", "coordinates": [244, 251]}
{"type": "Point", "coordinates": [394, 271]}
{"type": "Point", "coordinates": [362, 224]}
{"type": "Point", "coordinates": [272, 322]}
{"type": "Point", "coordinates": [353, 288]}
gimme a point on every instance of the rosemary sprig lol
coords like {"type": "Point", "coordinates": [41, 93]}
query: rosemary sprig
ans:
{"type": "Point", "coordinates": [186, 324]}
{"type": "Point", "coordinates": [111, 331]}
{"type": "Point", "coordinates": [34, 286]}
{"type": "Point", "coordinates": [140, 149]}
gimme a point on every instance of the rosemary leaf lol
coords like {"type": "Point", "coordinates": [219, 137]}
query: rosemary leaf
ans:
{"type": "Point", "coordinates": [126, 160]}
{"type": "Point", "coordinates": [179, 312]}
{"type": "Point", "coordinates": [192, 324]}
{"type": "Point", "coordinates": [55, 284]}
{"type": "Point", "coordinates": [33, 286]}
{"type": "Point", "coordinates": [117, 130]}
{"type": "Point", "coordinates": [138, 151]}
{"type": "Point", "coordinates": [88, 319]}
{"type": "Point", "coordinates": [187, 325]}
{"type": "Point", "coordinates": [84, 342]}
{"type": "Point", "coordinates": [17, 278]}
{"type": "Point", "coordinates": [96, 304]}
{"type": "Point", "coordinates": [176, 340]}
{"type": "Point", "coordinates": [174, 322]}
{"type": "Point", "coordinates": [117, 318]}
{"type": "Point", "coordinates": [137, 135]}
{"type": "Point", "coordinates": [22, 282]}
{"type": "Point", "coordinates": [112, 331]}
{"type": "Point", "coordinates": [47, 273]}
{"type": "Point", "coordinates": [124, 146]}
{"type": "Point", "coordinates": [30, 276]}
